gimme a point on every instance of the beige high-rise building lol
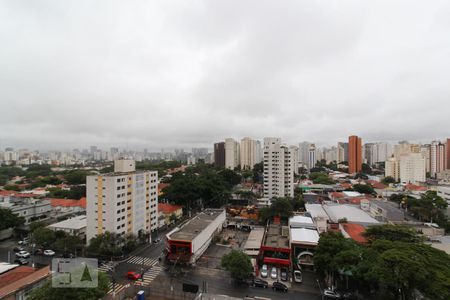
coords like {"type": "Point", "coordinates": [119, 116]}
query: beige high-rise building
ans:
{"type": "Point", "coordinates": [232, 154]}
{"type": "Point", "coordinates": [412, 168]}
{"type": "Point", "coordinates": [392, 169]}
{"type": "Point", "coordinates": [248, 153]}
{"type": "Point", "coordinates": [438, 158]}
{"type": "Point", "coordinates": [124, 201]}
{"type": "Point", "coordinates": [405, 148]}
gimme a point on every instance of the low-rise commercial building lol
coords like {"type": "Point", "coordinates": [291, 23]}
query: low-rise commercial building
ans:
{"type": "Point", "coordinates": [17, 282]}
{"type": "Point", "coordinates": [303, 239]}
{"type": "Point", "coordinates": [29, 208]}
{"type": "Point", "coordinates": [275, 249]}
{"type": "Point", "coordinates": [73, 226]}
{"type": "Point", "coordinates": [185, 244]}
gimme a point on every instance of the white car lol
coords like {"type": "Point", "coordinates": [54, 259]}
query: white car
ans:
{"type": "Point", "coordinates": [23, 254]}
{"type": "Point", "coordinates": [329, 293]}
{"type": "Point", "coordinates": [264, 271]}
{"type": "Point", "coordinates": [298, 276]}
{"type": "Point", "coordinates": [49, 252]}
{"type": "Point", "coordinates": [274, 273]}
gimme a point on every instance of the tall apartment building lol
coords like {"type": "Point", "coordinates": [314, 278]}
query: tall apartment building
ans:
{"type": "Point", "coordinates": [123, 202]}
{"type": "Point", "coordinates": [447, 146]}
{"type": "Point", "coordinates": [438, 158]}
{"type": "Point", "coordinates": [312, 156]}
{"type": "Point", "coordinates": [354, 154]}
{"type": "Point", "coordinates": [232, 154]}
{"type": "Point", "coordinates": [303, 154]}
{"type": "Point", "coordinates": [377, 152]}
{"type": "Point", "coordinates": [278, 171]}
{"type": "Point", "coordinates": [425, 151]}
{"type": "Point", "coordinates": [391, 168]}
{"type": "Point", "coordinates": [342, 152]}
{"type": "Point", "coordinates": [404, 147]}
{"type": "Point", "coordinates": [219, 154]}
{"type": "Point", "coordinates": [258, 152]}
{"type": "Point", "coordinates": [412, 168]}
{"type": "Point", "coordinates": [294, 159]}
{"type": "Point", "coordinates": [247, 153]}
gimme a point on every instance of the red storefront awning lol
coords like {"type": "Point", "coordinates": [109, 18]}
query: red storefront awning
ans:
{"type": "Point", "coordinates": [276, 261]}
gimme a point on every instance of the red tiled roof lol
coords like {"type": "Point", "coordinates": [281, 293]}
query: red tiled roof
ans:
{"type": "Point", "coordinates": [16, 194]}
{"type": "Point", "coordinates": [68, 202]}
{"type": "Point", "coordinates": [15, 274]}
{"type": "Point", "coordinates": [337, 195]}
{"type": "Point", "coordinates": [355, 231]}
{"type": "Point", "coordinates": [417, 188]}
{"type": "Point", "coordinates": [346, 185]}
{"type": "Point", "coordinates": [20, 278]}
{"type": "Point", "coordinates": [168, 208]}
{"type": "Point", "coordinates": [161, 186]}
{"type": "Point", "coordinates": [376, 184]}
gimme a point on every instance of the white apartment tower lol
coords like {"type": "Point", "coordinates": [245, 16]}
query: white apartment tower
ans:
{"type": "Point", "coordinates": [247, 153]}
{"type": "Point", "coordinates": [294, 159]}
{"type": "Point", "coordinates": [232, 154]}
{"type": "Point", "coordinates": [123, 202]}
{"type": "Point", "coordinates": [278, 171]}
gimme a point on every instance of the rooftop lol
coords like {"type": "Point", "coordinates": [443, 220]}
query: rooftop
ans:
{"type": "Point", "coordinates": [55, 202]}
{"type": "Point", "coordinates": [355, 232]}
{"type": "Point", "coordinates": [274, 237]}
{"type": "Point", "coordinates": [196, 225]}
{"type": "Point", "coordinates": [304, 236]}
{"type": "Point", "coordinates": [255, 238]}
{"type": "Point", "coordinates": [352, 213]}
{"type": "Point", "coordinates": [78, 222]}
{"type": "Point", "coordinates": [21, 277]}
{"type": "Point", "coordinates": [168, 208]}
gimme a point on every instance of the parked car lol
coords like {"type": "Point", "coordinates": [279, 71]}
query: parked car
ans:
{"type": "Point", "coordinates": [284, 274]}
{"type": "Point", "coordinates": [133, 275]}
{"type": "Point", "coordinates": [156, 241]}
{"type": "Point", "coordinates": [298, 276]}
{"type": "Point", "coordinates": [274, 273]}
{"type": "Point", "coordinates": [331, 294]}
{"type": "Point", "coordinates": [68, 255]}
{"type": "Point", "coordinates": [278, 286]}
{"type": "Point", "coordinates": [18, 249]}
{"type": "Point", "coordinates": [49, 252]}
{"type": "Point", "coordinates": [23, 254]}
{"type": "Point", "coordinates": [21, 261]}
{"type": "Point", "coordinates": [349, 296]}
{"type": "Point", "coordinates": [264, 271]}
{"type": "Point", "coordinates": [22, 242]}
{"type": "Point", "coordinates": [260, 283]}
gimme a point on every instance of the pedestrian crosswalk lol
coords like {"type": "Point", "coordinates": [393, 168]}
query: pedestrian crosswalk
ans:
{"type": "Point", "coordinates": [151, 274]}
{"type": "Point", "coordinates": [106, 267]}
{"type": "Point", "coordinates": [139, 260]}
{"type": "Point", "coordinates": [117, 287]}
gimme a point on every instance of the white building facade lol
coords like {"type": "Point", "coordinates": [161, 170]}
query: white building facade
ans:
{"type": "Point", "coordinates": [232, 154]}
{"type": "Point", "coordinates": [278, 169]}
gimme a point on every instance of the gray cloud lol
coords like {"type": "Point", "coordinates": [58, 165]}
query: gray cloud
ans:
{"type": "Point", "coordinates": [177, 73]}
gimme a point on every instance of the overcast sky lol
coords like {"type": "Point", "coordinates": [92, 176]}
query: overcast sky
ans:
{"type": "Point", "coordinates": [189, 73]}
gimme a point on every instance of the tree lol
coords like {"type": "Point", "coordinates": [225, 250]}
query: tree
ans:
{"type": "Point", "coordinates": [320, 178]}
{"type": "Point", "coordinates": [11, 187]}
{"type": "Point", "coordinates": [364, 189]}
{"type": "Point", "coordinates": [173, 218]}
{"type": "Point", "coordinates": [106, 244]}
{"type": "Point", "coordinates": [238, 264]}
{"type": "Point", "coordinates": [44, 236]}
{"type": "Point", "coordinates": [392, 233]}
{"type": "Point", "coordinates": [76, 177]}
{"type": "Point", "coordinates": [230, 176]}
{"type": "Point", "coordinates": [8, 219]}
{"type": "Point", "coordinates": [47, 292]}
{"type": "Point", "coordinates": [387, 180]}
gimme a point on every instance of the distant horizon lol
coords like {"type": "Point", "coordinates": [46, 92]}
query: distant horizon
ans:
{"type": "Point", "coordinates": [209, 146]}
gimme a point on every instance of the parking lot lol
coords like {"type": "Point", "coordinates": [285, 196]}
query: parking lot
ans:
{"type": "Point", "coordinates": [7, 253]}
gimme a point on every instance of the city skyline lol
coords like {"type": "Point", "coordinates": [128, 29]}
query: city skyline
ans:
{"type": "Point", "coordinates": [156, 75]}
